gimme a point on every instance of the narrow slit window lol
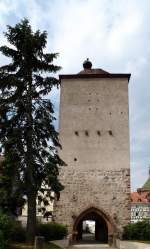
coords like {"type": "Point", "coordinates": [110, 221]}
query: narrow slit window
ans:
{"type": "Point", "coordinates": [76, 133]}
{"type": "Point", "coordinates": [86, 133]}
{"type": "Point", "coordinates": [98, 133]}
{"type": "Point", "coordinates": [110, 133]}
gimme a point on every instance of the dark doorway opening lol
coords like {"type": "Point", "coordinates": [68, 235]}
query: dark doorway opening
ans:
{"type": "Point", "coordinates": [92, 228]}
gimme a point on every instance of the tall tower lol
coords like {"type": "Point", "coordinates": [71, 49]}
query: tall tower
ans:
{"type": "Point", "coordinates": [94, 134]}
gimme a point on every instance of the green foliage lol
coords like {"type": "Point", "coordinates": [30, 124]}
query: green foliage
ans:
{"type": "Point", "coordinates": [27, 135]}
{"type": "Point", "coordinates": [6, 227]}
{"type": "Point", "coordinates": [10, 199]}
{"type": "Point", "coordinates": [28, 138]}
{"type": "Point", "coordinates": [52, 231]}
{"type": "Point", "coordinates": [137, 231]}
{"type": "Point", "coordinates": [3, 242]}
{"type": "Point", "coordinates": [19, 233]}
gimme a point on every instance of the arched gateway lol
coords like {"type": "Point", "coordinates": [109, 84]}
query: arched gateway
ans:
{"type": "Point", "coordinates": [104, 226]}
{"type": "Point", "coordinates": [94, 134]}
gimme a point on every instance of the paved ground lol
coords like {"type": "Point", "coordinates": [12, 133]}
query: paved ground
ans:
{"type": "Point", "coordinates": [82, 245]}
{"type": "Point", "coordinates": [134, 245]}
{"type": "Point", "coordinates": [90, 246]}
{"type": "Point", "coordinates": [124, 245]}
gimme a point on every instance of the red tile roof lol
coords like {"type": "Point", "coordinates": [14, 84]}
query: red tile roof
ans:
{"type": "Point", "coordinates": [139, 197]}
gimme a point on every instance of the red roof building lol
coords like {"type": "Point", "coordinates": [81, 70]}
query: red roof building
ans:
{"type": "Point", "coordinates": [140, 203]}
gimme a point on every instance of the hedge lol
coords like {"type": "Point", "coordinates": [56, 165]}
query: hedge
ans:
{"type": "Point", "coordinates": [11, 230]}
{"type": "Point", "coordinates": [137, 231]}
{"type": "Point", "coordinates": [19, 232]}
{"type": "Point", "coordinates": [52, 231]}
{"type": "Point", "coordinates": [6, 227]}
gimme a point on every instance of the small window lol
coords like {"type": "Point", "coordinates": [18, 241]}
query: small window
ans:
{"type": "Point", "coordinates": [99, 133]}
{"type": "Point", "coordinates": [110, 133]}
{"type": "Point", "coordinates": [76, 133]}
{"type": "Point", "coordinates": [86, 133]}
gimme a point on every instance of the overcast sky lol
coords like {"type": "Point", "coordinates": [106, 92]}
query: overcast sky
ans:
{"type": "Point", "coordinates": [115, 35]}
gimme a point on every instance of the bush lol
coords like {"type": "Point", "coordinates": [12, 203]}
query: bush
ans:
{"type": "Point", "coordinates": [137, 231]}
{"type": "Point", "coordinates": [52, 231]}
{"type": "Point", "coordinates": [3, 242]}
{"type": "Point", "coordinates": [6, 226]}
{"type": "Point", "coordinates": [10, 230]}
{"type": "Point", "coordinates": [19, 233]}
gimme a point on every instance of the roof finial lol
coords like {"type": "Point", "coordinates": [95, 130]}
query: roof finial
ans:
{"type": "Point", "coordinates": [87, 64]}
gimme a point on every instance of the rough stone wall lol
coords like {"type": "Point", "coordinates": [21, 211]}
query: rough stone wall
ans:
{"type": "Point", "coordinates": [94, 134]}
{"type": "Point", "coordinates": [106, 190]}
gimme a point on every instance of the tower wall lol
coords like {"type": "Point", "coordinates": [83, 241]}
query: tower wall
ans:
{"type": "Point", "coordinates": [94, 134]}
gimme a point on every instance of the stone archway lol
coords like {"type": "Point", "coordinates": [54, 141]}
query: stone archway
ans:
{"type": "Point", "coordinates": [104, 226]}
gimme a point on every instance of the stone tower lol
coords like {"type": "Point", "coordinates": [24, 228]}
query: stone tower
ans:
{"type": "Point", "coordinates": [94, 134]}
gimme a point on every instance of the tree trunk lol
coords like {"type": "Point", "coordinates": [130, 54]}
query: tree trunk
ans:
{"type": "Point", "coordinates": [31, 185]}
{"type": "Point", "coordinates": [31, 217]}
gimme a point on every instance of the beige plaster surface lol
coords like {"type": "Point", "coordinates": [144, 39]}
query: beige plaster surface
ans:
{"type": "Point", "coordinates": [94, 133]}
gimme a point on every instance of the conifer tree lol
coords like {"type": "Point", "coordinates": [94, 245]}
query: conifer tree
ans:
{"type": "Point", "coordinates": [28, 139]}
